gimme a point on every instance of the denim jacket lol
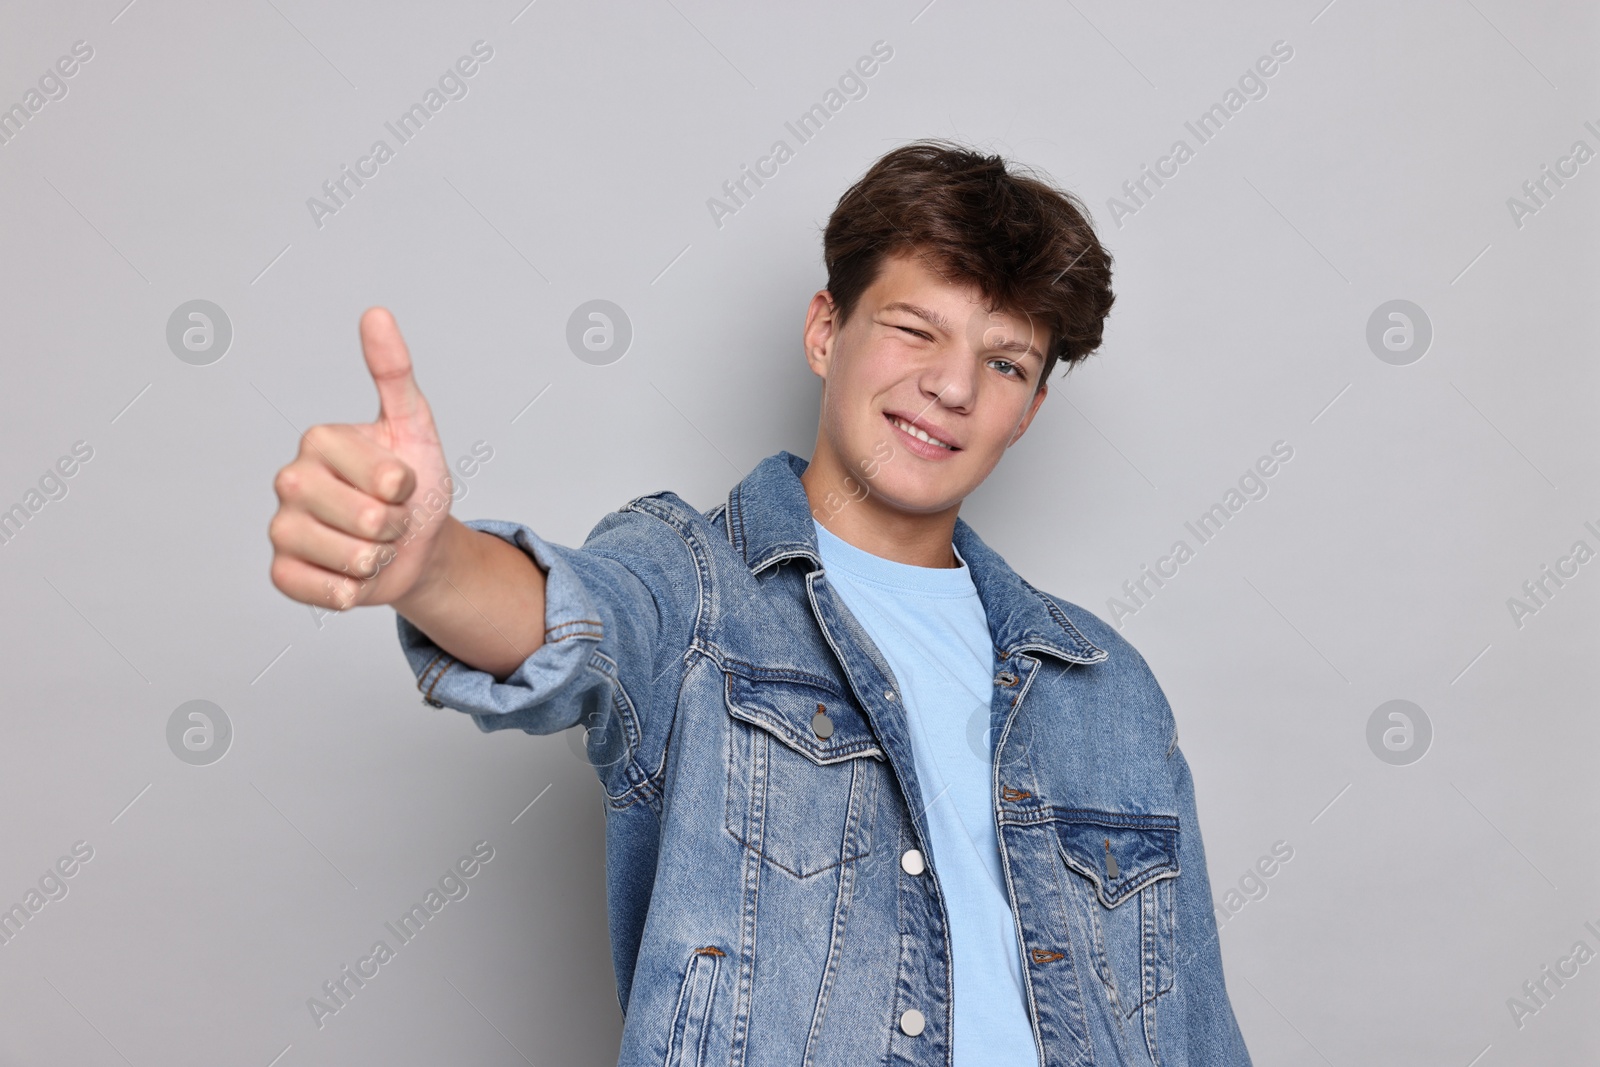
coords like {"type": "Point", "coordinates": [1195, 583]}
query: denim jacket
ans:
{"type": "Point", "coordinates": [768, 900]}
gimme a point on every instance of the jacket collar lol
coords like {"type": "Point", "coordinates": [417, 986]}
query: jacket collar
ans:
{"type": "Point", "coordinates": [769, 520]}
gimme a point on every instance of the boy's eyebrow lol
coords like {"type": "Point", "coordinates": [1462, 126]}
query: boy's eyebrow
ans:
{"type": "Point", "coordinates": [931, 316]}
{"type": "Point", "coordinates": [920, 312]}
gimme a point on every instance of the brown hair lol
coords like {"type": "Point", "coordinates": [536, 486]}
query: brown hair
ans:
{"type": "Point", "coordinates": [1026, 244]}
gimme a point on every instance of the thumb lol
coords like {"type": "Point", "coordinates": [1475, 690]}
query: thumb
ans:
{"type": "Point", "coordinates": [389, 362]}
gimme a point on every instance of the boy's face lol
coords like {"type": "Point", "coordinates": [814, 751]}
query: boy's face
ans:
{"type": "Point", "coordinates": [922, 349]}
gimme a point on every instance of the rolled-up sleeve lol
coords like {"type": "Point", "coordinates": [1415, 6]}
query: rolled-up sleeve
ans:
{"type": "Point", "coordinates": [619, 613]}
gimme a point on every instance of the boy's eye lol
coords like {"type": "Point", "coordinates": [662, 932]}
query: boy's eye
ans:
{"type": "Point", "coordinates": [1007, 367]}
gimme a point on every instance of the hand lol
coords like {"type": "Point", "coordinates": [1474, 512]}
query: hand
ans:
{"type": "Point", "coordinates": [362, 508]}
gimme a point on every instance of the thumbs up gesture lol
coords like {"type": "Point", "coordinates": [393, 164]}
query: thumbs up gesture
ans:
{"type": "Point", "coordinates": [362, 507]}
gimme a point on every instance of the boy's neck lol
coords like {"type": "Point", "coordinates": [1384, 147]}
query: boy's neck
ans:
{"type": "Point", "coordinates": [921, 540]}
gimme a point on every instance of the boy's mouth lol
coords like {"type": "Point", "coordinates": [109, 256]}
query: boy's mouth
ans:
{"type": "Point", "coordinates": [917, 433]}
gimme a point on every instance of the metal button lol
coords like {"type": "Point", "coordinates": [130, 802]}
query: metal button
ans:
{"type": "Point", "coordinates": [912, 1022]}
{"type": "Point", "coordinates": [888, 694]}
{"type": "Point", "coordinates": [821, 725]}
{"type": "Point", "coordinates": [911, 861]}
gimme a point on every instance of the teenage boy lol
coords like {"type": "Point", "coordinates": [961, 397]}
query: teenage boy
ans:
{"type": "Point", "coordinates": [871, 798]}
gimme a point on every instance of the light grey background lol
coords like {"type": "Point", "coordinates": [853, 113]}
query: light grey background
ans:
{"type": "Point", "coordinates": [1418, 500]}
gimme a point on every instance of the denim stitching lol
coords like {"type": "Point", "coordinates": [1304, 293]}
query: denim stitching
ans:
{"type": "Point", "coordinates": [579, 633]}
{"type": "Point", "coordinates": [656, 506]}
{"type": "Point", "coordinates": [438, 660]}
{"type": "Point", "coordinates": [442, 671]}
{"type": "Point", "coordinates": [422, 674]}
{"type": "Point", "coordinates": [573, 622]}
{"type": "Point", "coordinates": [1056, 613]}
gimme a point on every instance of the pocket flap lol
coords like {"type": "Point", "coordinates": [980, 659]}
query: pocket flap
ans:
{"type": "Point", "coordinates": [1119, 853]}
{"type": "Point", "coordinates": [786, 707]}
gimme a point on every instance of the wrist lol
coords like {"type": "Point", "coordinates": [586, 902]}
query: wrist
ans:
{"type": "Point", "coordinates": [433, 582]}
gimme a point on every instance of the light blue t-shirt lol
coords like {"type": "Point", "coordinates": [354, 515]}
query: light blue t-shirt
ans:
{"type": "Point", "coordinates": [930, 626]}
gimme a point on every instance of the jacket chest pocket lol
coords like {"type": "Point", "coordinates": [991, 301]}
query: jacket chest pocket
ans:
{"type": "Point", "coordinates": [802, 773]}
{"type": "Point", "coordinates": [1121, 874]}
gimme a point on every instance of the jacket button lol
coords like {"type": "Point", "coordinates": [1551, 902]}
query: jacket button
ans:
{"type": "Point", "coordinates": [888, 694]}
{"type": "Point", "coordinates": [821, 725]}
{"type": "Point", "coordinates": [911, 861]}
{"type": "Point", "coordinates": [912, 1022]}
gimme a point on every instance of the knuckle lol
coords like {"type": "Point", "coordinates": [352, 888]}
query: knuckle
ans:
{"type": "Point", "coordinates": [280, 574]}
{"type": "Point", "coordinates": [362, 562]}
{"type": "Point", "coordinates": [287, 483]}
{"type": "Point", "coordinates": [372, 520]}
{"type": "Point", "coordinates": [316, 438]}
{"type": "Point", "coordinates": [392, 477]}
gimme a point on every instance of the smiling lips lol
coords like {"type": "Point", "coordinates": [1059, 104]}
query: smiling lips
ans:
{"type": "Point", "coordinates": [906, 426]}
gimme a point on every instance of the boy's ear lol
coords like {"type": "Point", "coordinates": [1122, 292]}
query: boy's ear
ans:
{"type": "Point", "coordinates": [1033, 409]}
{"type": "Point", "coordinates": [821, 329]}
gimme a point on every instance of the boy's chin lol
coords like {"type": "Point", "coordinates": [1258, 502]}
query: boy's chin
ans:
{"type": "Point", "coordinates": [915, 496]}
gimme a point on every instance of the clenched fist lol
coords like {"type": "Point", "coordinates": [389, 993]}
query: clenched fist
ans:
{"type": "Point", "coordinates": [363, 506]}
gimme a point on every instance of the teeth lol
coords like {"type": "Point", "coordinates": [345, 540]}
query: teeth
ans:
{"type": "Point", "coordinates": [918, 434]}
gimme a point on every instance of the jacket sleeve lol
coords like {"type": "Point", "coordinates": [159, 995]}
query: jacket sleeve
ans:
{"type": "Point", "coordinates": [619, 615]}
{"type": "Point", "coordinates": [1209, 1027]}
